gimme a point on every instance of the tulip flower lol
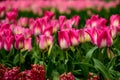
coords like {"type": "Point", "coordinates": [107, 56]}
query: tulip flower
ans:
{"type": "Point", "coordinates": [92, 22]}
{"type": "Point", "coordinates": [75, 20]}
{"type": "Point", "coordinates": [63, 39]}
{"type": "Point", "coordinates": [11, 16]}
{"type": "Point", "coordinates": [27, 33]}
{"type": "Point", "coordinates": [73, 37]}
{"type": "Point", "coordinates": [18, 30]}
{"type": "Point", "coordinates": [115, 20]}
{"type": "Point", "coordinates": [7, 32]}
{"type": "Point", "coordinates": [86, 35]}
{"type": "Point", "coordinates": [81, 35]}
{"type": "Point", "coordinates": [48, 30]}
{"type": "Point", "coordinates": [8, 43]}
{"type": "Point", "coordinates": [19, 41]}
{"type": "Point", "coordinates": [2, 11]}
{"type": "Point", "coordinates": [55, 25]}
{"type": "Point", "coordinates": [104, 38]}
{"type": "Point", "coordinates": [27, 44]}
{"type": "Point", "coordinates": [62, 20]}
{"type": "Point", "coordinates": [37, 29]}
{"type": "Point", "coordinates": [93, 33]}
{"type": "Point", "coordinates": [23, 21]}
{"type": "Point", "coordinates": [45, 41]}
{"type": "Point", "coordinates": [31, 23]}
{"type": "Point", "coordinates": [49, 14]}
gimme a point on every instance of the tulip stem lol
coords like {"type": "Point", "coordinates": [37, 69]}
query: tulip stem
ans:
{"type": "Point", "coordinates": [49, 51]}
{"type": "Point", "coordinates": [66, 55]}
{"type": "Point", "coordinates": [19, 58]}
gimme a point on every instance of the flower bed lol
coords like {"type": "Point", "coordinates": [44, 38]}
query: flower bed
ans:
{"type": "Point", "coordinates": [55, 47]}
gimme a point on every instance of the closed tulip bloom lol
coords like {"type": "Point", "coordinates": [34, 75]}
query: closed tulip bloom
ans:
{"type": "Point", "coordinates": [49, 14]}
{"type": "Point", "coordinates": [81, 35]}
{"type": "Point", "coordinates": [62, 20]}
{"type": "Point", "coordinates": [45, 41]}
{"type": "Point", "coordinates": [93, 33]}
{"type": "Point", "coordinates": [75, 20]}
{"type": "Point", "coordinates": [115, 20]}
{"type": "Point", "coordinates": [63, 39]}
{"type": "Point", "coordinates": [48, 30]}
{"type": "Point", "coordinates": [18, 30]}
{"type": "Point", "coordinates": [27, 44]}
{"type": "Point", "coordinates": [8, 43]}
{"type": "Point", "coordinates": [55, 25]}
{"type": "Point", "coordinates": [11, 16]}
{"type": "Point", "coordinates": [73, 36]}
{"type": "Point", "coordinates": [92, 22]}
{"type": "Point", "coordinates": [27, 33]}
{"type": "Point", "coordinates": [37, 29]}
{"type": "Point", "coordinates": [19, 41]}
{"type": "Point", "coordinates": [86, 35]}
{"type": "Point", "coordinates": [23, 21]}
{"type": "Point", "coordinates": [104, 38]}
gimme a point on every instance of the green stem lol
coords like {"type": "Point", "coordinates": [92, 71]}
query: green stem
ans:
{"type": "Point", "coordinates": [49, 51]}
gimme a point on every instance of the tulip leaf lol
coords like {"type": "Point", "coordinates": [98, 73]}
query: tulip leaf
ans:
{"type": "Point", "coordinates": [16, 59]}
{"type": "Point", "coordinates": [89, 54]}
{"type": "Point", "coordinates": [100, 66]}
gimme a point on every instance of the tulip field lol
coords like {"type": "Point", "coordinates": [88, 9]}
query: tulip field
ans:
{"type": "Point", "coordinates": [60, 40]}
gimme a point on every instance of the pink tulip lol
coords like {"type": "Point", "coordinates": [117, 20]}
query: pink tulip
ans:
{"type": "Point", "coordinates": [62, 20]}
{"type": "Point", "coordinates": [19, 41]}
{"type": "Point", "coordinates": [81, 35]}
{"type": "Point", "coordinates": [37, 29]}
{"type": "Point", "coordinates": [31, 23]}
{"type": "Point", "coordinates": [55, 25]}
{"type": "Point", "coordinates": [2, 11]}
{"type": "Point", "coordinates": [48, 30]}
{"type": "Point", "coordinates": [27, 33]}
{"type": "Point", "coordinates": [73, 36]}
{"type": "Point", "coordinates": [23, 21]}
{"type": "Point", "coordinates": [115, 23]}
{"type": "Point", "coordinates": [92, 22]}
{"type": "Point", "coordinates": [104, 38]}
{"type": "Point", "coordinates": [49, 14]}
{"type": "Point", "coordinates": [7, 32]}
{"type": "Point", "coordinates": [86, 35]}
{"type": "Point", "coordinates": [8, 43]}
{"type": "Point", "coordinates": [115, 20]}
{"type": "Point", "coordinates": [18, 30]}
{"type": "Point", "coordinates": [11, 16]}
{"type": "Point", "coordinates": [27, 44]}
{"type": "Point", "coordinates": [75, 20]}
{"type": "Point", "coordinates": [63, 39]}
{"type": "Point", "coordinates": [93, 33]}
{"type": "Point", "coordinates": [45, 41]}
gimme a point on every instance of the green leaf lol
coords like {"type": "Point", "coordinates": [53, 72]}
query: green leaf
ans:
{"type": "Point", "coordinates": [16, 59]}
{"type": "Point", "coordinates": [100, 66]}
{"type": "Point", "coordinates": [89, 54]}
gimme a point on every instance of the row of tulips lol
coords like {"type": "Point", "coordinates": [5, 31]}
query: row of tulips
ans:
{"type": "Point", "coordinates": [41, 35]}
{"type": "Point", "coordinates": [62, 6]}
{"type": "Point", "coordinates": [19, 33]}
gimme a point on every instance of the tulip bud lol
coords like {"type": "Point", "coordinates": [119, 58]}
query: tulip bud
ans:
{"type": "Point", "coordinates": [45, 41]}
{"type": "Point", "coordinates": [104, 38]}
{"type": "Point", "coordinates": [37, 29]}
{"type": "Point", "coordinates": [73, 36]}
{"type": "Point", "coordinates": [8, 43]}
{"type": "Point", "coordinates": [19, 41]}
{"type": "Point", "coordinates": [63, 39]}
